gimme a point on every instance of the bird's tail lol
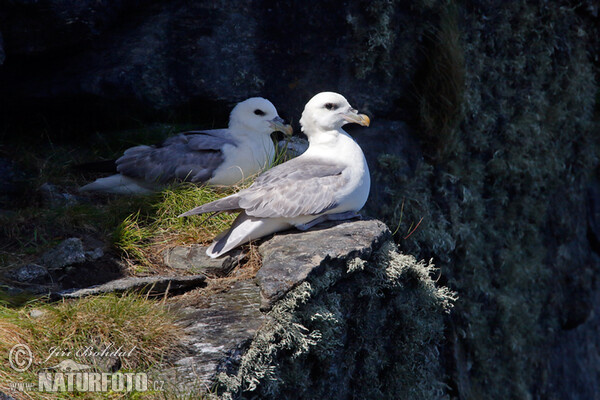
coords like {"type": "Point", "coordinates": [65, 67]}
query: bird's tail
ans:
{"type": "Point", "coordinates": [243, 230]}
{"type": "Point", "coordinates": [117, 184]}
{"type": "Point", "coordinates": [229, 203]}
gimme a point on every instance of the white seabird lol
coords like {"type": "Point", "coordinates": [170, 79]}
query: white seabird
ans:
{"type": "Point", "coordinates": [330, 181]}
{"type": "Point", "coordinates": [216, 157]}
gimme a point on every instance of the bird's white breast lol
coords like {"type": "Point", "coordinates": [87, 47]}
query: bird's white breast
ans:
{"type": "Point", "coordinates": [251, 156]}
{"type": "Point", "coordinates": [342, 149]}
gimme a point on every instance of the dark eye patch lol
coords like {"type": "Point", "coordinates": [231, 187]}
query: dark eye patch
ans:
{"type": "Point", "coordinates": [259, 112]}
{"type": "Point", "coordinates": [331, 106]}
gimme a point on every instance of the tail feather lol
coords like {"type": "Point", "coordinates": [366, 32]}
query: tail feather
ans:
{"type": "Point", "coordinates": [243, 230]}
{"type": "Point", "coordinates": [117, 184]}
{"type": "Point", "coordinates": [229, 203]}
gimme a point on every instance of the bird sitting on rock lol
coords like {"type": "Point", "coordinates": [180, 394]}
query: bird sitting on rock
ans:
{"type": "Point", "coordinates": [216, 157]}
{"type": "Point", "coordinates": [330, 181]}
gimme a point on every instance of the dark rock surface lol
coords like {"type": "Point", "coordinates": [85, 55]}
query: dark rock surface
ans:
{"type": "Point", "coordinates": [29, 273]}
{"type": "Point", "coordinates": [138, 55]}
{"type": "Point", "coordinates": [2, 55]}
{"type": "Point", "coordinates": [154, 285]}
{"type": "Point", "coordinates": [54, 197]}
{"type": "Point", "coordinates": [68, 252]}
{"type": "Point", "coordinates": [382, 140]}
{"type": "Point", "coordinates": [12, 184]}
{"type": "Point", "coordinates": [316, 338]}
{"type": "Point", "coordinates": [217, 335]}
{"type": "Point", "coordinates": [503, 195]}
{"type": "Point", "coordinates": [193, 258]}
{"type": "Point", "coordinates": [289, 258]}
{"type": "Point", "coordinates": [593, 212]}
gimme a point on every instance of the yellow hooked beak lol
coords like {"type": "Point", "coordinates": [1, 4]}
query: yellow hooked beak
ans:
{"type": "Point", "coordinates": [278, 124]}
{"type": "Point", "coordinates": [360, 119]}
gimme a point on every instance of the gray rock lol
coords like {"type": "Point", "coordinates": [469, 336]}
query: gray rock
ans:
{"type": "Point", "coordinates": [54, 197]}
{"type": "Point", "coordinates": [95, 254]}
{"type": "Point", "coordinates": [69, 251]}
{"type": "Point", "coordinates": [219, 52]}
{"type": "Point", "coordinates": [150, 284]}
{"type": "Point", "coordinates": [289, 258]}
{"type": "Point", "coordinates": [216, 336]}
{"type": "Point", "coordinates": [29, 273]}
{"type": "Point", "coordinates": [194, 259]}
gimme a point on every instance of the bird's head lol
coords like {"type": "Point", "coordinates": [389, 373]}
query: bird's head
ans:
{"type": "Point", "coordinates": [258, 115]}
{"type": "Point", "coordinates": [329, 111]}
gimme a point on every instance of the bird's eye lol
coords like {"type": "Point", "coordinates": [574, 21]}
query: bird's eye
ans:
{"type": "Point", "coordinates": [259, 112]}
{"type": "Point", "coordinates": [330, 106]}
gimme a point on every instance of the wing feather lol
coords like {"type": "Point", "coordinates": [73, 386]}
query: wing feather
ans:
{"type": "Point", "coordinates": [297, 187]}
{"type": "Point", "coordinates": [191, 156]}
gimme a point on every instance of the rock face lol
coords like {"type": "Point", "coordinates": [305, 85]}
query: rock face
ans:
{"type": "Point", "coordinates": [151, 284]}
{"type": "Point", "coordinates": [505, 109]}
{"type": "Point", "coordinates": [68, 252]}
{"type": "Point", "coordinates": [30, 273]}
{"type": "Point", "coordinates": [176, 54]}
{"type": "Point", "coordinates": [193, 258]}
{"type": "Point", "coordinates": [67, 266]}
{"type": "Point", "coordinates": [348, 318]}
{"type": "Point", "coordinates": [289, 258]}
{"type": "Point", "coordinates": [218, 334]}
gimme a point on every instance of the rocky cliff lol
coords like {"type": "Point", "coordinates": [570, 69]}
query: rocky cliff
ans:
{"type": "Point", "coordinates": [485, 134]}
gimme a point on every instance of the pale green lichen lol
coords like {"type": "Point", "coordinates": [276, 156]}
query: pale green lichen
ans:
{"type": "Point", "coordinates": [370, 332]}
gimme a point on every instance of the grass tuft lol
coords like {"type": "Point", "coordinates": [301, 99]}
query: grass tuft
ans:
{"type": "Point", "coordinates": [144, 234]}
{"type": "Point", "coordinates": [146, 327]}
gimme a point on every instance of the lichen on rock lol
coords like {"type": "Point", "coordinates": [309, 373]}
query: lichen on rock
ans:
{"type": "Point", "coordinates": [365, 329]}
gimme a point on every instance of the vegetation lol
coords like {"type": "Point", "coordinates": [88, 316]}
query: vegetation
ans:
{"type": "Point", "coordinates": [144, 328]}
{"type": "Point", "coordinates": [388, 308]}
{"type": "Point", "coordinates": [521, 152]}
{"type": "Point", "coordinates": [142, 235]}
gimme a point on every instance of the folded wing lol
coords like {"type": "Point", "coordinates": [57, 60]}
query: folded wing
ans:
{"type": "Point", "coordinates": [190, 156]}
{"type": "Point", "coordinates": [292, 189]}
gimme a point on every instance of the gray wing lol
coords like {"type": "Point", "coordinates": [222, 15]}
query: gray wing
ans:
{"type": "Point", "coordinates": [297, 187]}
{"type": "Point", "coordinates": [203, 140]}
{"type": "Point", "coordinates": [190, 156]}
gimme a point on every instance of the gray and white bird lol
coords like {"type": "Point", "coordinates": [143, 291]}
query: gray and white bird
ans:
{"type": "Point", "coordinates": [216, 157]}
{"type": "Point", "coordinates": [330, 181]}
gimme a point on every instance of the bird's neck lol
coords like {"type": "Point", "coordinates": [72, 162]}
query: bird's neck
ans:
{"type": "Point", "coordinates": [336, 144]}
{"type": "Point", "coordinates": [328, 138]}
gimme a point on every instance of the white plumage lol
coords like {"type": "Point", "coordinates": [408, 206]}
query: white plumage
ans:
{"type": "Point", "coordinates": [330, 181]}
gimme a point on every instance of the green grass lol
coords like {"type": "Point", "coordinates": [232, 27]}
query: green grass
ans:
{"type": "Point", "coordinates": [143, 234]}
{"type": "Point", "coordinates": [132, 321]}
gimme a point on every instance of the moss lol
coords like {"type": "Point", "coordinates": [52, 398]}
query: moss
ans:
{"type": "Point", "coordinates": [363, 330]}
{"type": "Point", "coordinates": [440, 85]}
{"type": "Point", "coordinates": [375, 29]}
{"type": "Point", "coordinates": [523, 151]}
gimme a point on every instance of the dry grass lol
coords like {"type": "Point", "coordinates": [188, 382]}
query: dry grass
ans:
{"type": "Point", "coordinates": [147, 327]}
{"type": "Point", "coordinates": [246, 270]}
{"type": "Point", "coordinates": [144, 234]}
